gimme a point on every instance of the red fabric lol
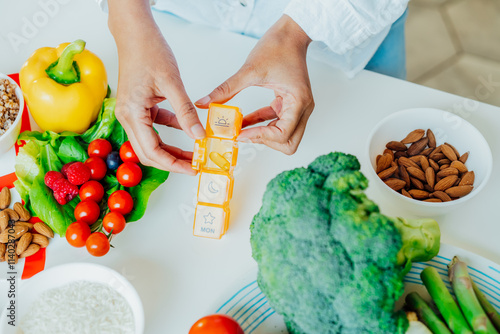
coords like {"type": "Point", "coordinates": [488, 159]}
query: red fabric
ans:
{"type": "Point", "coordinates": [35, 263]}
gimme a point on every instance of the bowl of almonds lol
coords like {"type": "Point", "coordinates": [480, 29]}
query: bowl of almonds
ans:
{"type": "Point", "coordinates": [429, 160]}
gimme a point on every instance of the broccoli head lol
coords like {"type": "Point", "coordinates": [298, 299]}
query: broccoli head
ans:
{"type": "Point", "coordinates": [329, 261]}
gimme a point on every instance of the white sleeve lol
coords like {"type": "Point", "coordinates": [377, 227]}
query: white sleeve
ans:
{"type": "Point", "coordinates": [344, 25]}
{"type": "Point", "coordinates": [104, 4]}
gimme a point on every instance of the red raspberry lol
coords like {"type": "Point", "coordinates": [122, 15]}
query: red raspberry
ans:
{"type": "Point", "coordinates": [65, 168]}
{"type": "Point", "coordinates": [64, 191]}
{"type": "Point", "coordinates": [78, 173]}
{"type": "Point", "coordinates": [51, 177]}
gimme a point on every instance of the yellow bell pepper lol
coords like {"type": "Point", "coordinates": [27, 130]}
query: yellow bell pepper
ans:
{"type": "Point", "coordinates": [64, 87]}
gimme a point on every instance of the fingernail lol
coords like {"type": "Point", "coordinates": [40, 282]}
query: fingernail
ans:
{"type": "Point", "coordinates": [198, 131]}
{"type": "Point", "coordinates": [203, 100]}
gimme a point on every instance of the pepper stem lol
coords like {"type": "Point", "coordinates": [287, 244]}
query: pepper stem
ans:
{"type": "Point", "coordinates": [65, 70]}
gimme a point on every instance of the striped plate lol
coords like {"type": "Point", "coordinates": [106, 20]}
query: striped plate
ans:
{"type": "Point", "coordinates": [250, 308]}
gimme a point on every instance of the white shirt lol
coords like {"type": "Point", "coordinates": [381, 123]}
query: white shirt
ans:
{"type": "Point", "coordinates": [345, 33]}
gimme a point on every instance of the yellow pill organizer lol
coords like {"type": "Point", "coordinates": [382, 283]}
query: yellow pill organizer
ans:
{"type": "Point", "coordinates": [215, 157]}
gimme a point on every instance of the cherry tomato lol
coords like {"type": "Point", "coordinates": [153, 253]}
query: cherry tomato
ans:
{"type": "Point", "coordinates": [216, 324]}
{"type": "Point", "coordinates": [77, 233]}
{"type": "Point", "coordinates": [97, 168]}
{"type": "Point", "coordinates": [127, 153]}
{"type": "Point", "coordinates": [129, 174]}
{"type": "Point", "coordinates": [92, 190]}
{"type": "Point", "coordinates": [114, 221]}
{"type": "Point", "coordinates": [120, 201]}
{"type": "Point", "coordinates": [97, 244]}
{"type": "Point", "coordinates": [87, 211]}
{"type": "Point", "coordinates": [99, 148]}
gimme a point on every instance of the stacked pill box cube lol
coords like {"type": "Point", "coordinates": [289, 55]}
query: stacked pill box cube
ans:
{"type": "Point", "coordinates": [215, 158]}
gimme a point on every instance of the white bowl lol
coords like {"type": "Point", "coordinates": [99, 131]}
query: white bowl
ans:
{"type": "Point", "coordinates": [447, 127]}
{"type": "Point", "coordinates": [9, 138]}
{"type": "Point", "coordinates": [29, 291]}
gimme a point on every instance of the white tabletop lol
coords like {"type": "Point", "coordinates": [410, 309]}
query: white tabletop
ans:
{"type": "Point", "coordinates": [180, 277]}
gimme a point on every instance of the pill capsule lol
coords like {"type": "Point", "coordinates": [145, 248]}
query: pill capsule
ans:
{"type": "Point", "coordinates": [219, 160]}
{"type": "Point", "coordinates": [228, 156]}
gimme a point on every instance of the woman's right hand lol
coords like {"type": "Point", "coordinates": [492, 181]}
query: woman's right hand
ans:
{"type": "Point", "coordinates": [149, 74]}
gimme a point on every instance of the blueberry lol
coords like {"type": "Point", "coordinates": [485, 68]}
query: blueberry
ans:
{"type": "Point", "coordinates": [113, 160]}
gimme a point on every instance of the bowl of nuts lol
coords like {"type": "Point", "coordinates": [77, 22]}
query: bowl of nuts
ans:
{"type": "Point", "coordinates": [428, 160]}
{"type": "Point", "coordinates": [11, 111]}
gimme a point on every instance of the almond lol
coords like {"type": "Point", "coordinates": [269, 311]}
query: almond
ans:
{"type": "Point", "coordinates": [441, 195]}
{"type": "Point", "coordinates": [467, 179]}
{"type": "Point", "coordinates": [395, 184]}
{"type": "Point", "coordinates": [403, 173]}
{"type": "Point", "coordinates": [454, 149]}
{"type": "Point", "coordinates": [444, 166]}
{"type": "Point", "coordinates": [445, 183]}
{"type": "Point", "coordinates": [400, 154]}
{"type": "Point", "coordinates": [15, 233]}
{"type": "Point", "coordinates": [24, 214]}
{"type": "Point", "coordinates": [3, 248]}
{"type": "Point", "coordinates": [417, 147]}
{"type": "Point", "coordinates": [396, 146]}
{"type": "Point", "coordinates": [407, 162]}
{"type": "Point", "coordinates": [447, 172]}
{"type": "Point", "coordinates": [40, 240]}
{"type": "Point", "coordinates": [384, 162]}
{"type": "Point", "coordinates": [416, 158]}
{"type": "Point", "coordinates": [459, 191]}
{"type": "Point", "coordinates": [427, 151]}
{"type": "Point", "coordinates": [464, 157]}
{"type": "Point", "coordinates": [405, 193]}
{"type": "Point", "coordinates": [378, 158]}
{"type": "Point", "coordinates": [413, 136]}
{"type": "Point", "coordinates": [24, 242]}
{"type": "Point", "coordinates": [43, 229]}
{"type": "Point", "coordinates": [387, 172]}
{"type": "Point", "coordinates": [4, 220]}
{"type": "Point", "coordinates": [387, 151]}
{"type": "Point", "coordinates": [424, 162]}
{"type": "Point", "coordinates": [430, 176]}
{"type": "Point", "coordinates": [12, 214]}
{"type": "Point", "coordinates": [428, 188]}
{"type": "Point", "coordinates": [417, 183]}
{"type": "Point", "coordinates": [433, 200]}
{"type": "Point", "coordinates": [434, 165]}
{"type": "Point", "coordinates": [32, 249]}
{"type": "Point", "coordinates": [432, 138]}
{"type": "Point", "coordinates": [437, 156]}
{"type": "Point", "coordinates": [418, 194]}
{"type": "Point", "coordinates": [416, 172]}
{"type": "Point", "coordinates": [29, 226]}
{"type": "Point", "coordinates": [459, 165]}
{"type": "Point", "coordinates": [444, 161]}
{"type": "Point", "coordinates": [4, 198]}
{"type": "Point", "coordinates": [449, 152]}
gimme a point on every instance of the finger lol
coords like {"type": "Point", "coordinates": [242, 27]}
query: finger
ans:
{"type": "Point", "coordinates": [227, 90]}
{"type": "Point", "coordinates": [291, 146]}
{"type": "Point", "coordinates": [146, 144]}
{"type": "Point", "coordinates": [166, 117]}
{"type": "Point", "coordinates": [177, 152]}
{"type": "Point", "coordinates": [186, 113]}
{"type": "Point", "coordinates": [259, 116]}
{"type": "Point", "coordinates": [281, 130]}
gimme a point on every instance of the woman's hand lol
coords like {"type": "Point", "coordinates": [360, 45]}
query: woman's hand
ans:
{"type": "Point", "coordinates": [277, 62]}
{"type": "Point", "coordinates": [149, 74]}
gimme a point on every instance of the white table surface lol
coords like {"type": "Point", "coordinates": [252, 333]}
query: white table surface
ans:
{"type": "Point", "coordinates": [180, 277]}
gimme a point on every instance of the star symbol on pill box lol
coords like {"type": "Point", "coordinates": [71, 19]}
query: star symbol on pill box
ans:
{"type": "Point", "coordinates": [209, 218]}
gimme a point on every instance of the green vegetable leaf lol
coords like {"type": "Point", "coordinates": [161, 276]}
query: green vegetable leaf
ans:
{"type": "Point", "coordinates": [105, 123]}
{"type": "Point", "coordinates": [151, 179]}
{"type": "Point", "coordinates": [70, 150]}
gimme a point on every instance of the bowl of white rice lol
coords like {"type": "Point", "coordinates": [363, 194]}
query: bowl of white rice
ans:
{"type": "Point", "coordinates": [11, 111]}
{"type": "Point", "coordinates": [77, 298]}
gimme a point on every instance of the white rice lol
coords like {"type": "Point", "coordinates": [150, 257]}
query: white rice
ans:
{"type": "Point", "coordinates": [81, 307]}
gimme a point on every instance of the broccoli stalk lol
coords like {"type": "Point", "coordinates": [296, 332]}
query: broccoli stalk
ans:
{"type": "Point", "coordinates": [329, 261]}
{"type": "Point", "coordinates": [462, 286]}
